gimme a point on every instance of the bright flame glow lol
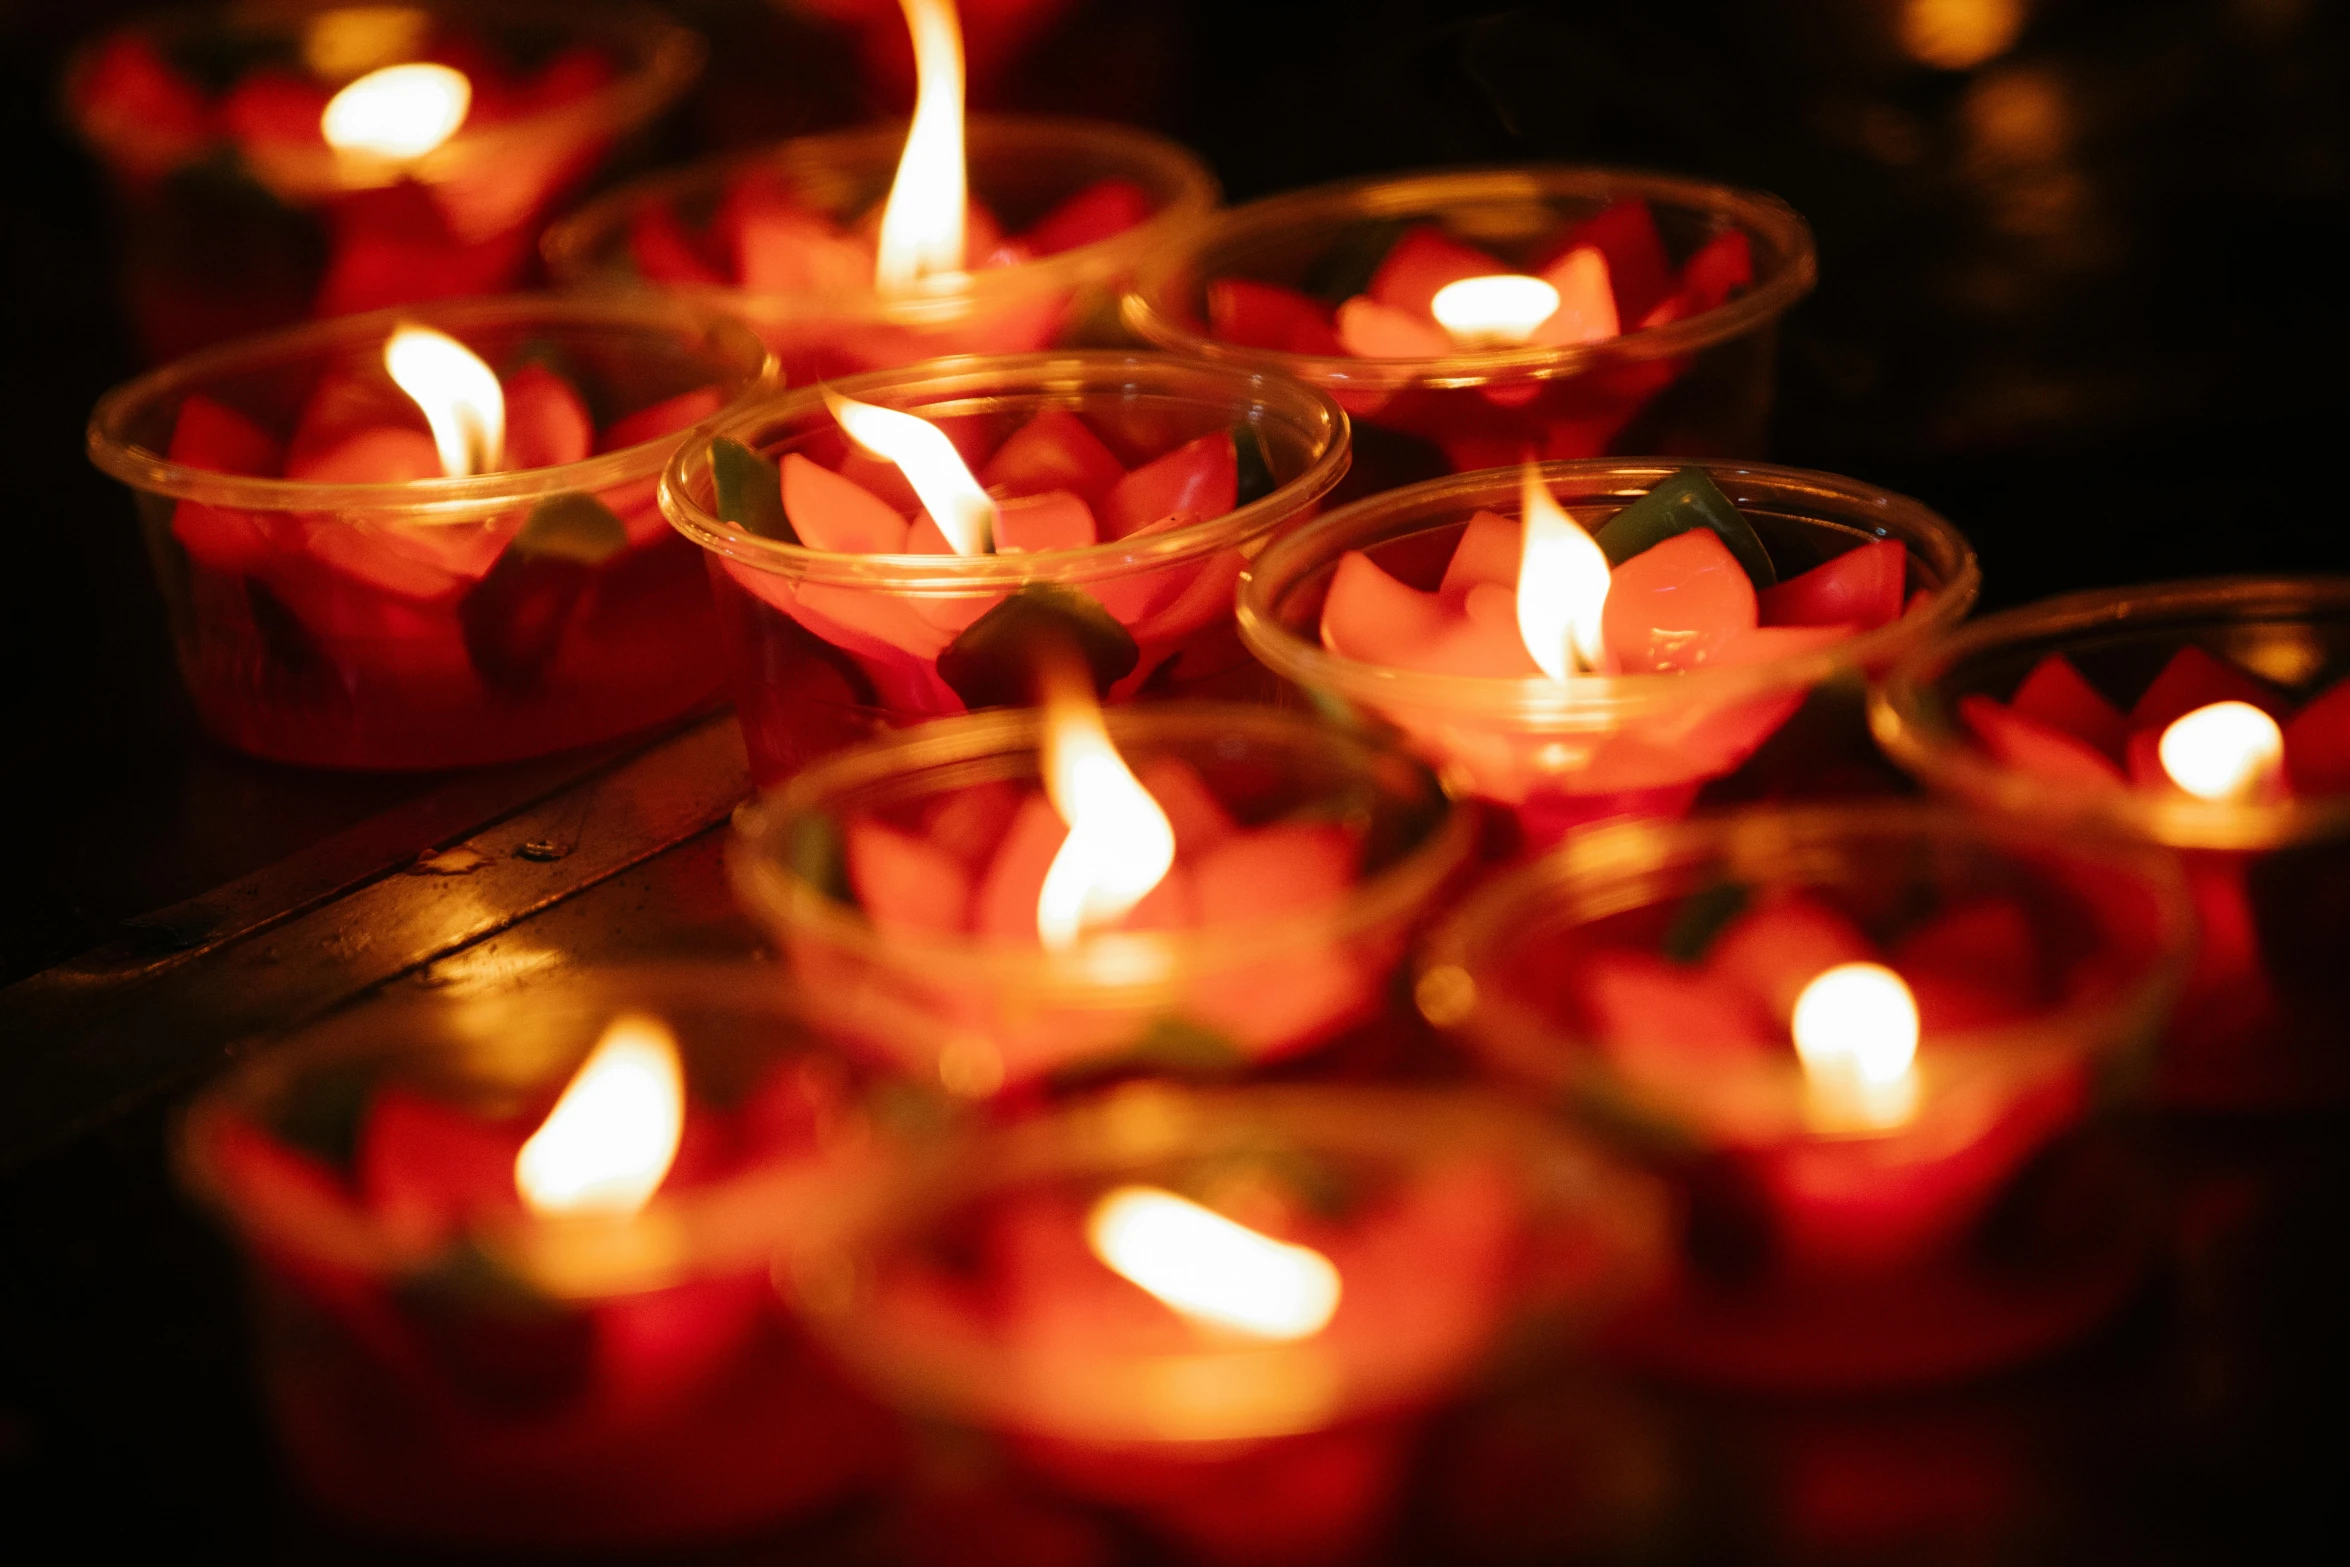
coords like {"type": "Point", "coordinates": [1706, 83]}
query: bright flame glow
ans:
{"type": "Point", "coordinates": [608, 1143]}
{"type": "Point", "coordinates": [2226, 751]}
{"type": "Point", "coordinates": [940, 477]}
{"type": "Point", "coordinates": [1120, 843]}
{"type": "Point", "coordinates": [1494, 312]}
{"type": "Point", "coordinates": [922, 224]}
{"type": "Point", "coordinates": [401, 111]}
{"type": "Point", "coordinates": [351, 39]}
{"type": "Point", "coordinates": [459, 394]}
{"type": "Point", "coordinates": [1207, 1267]}
{"type": "Point", "coordinates": [1856, 1031]}
{"type": "Point", "coordinates": [1562, 584]}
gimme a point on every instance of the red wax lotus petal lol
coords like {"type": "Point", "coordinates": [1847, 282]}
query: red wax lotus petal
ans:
{"type": "Point", "coordinates": [829, 512]}
{"type": "Point", "coordinates": [1267, 315]}
{"type": "Point", "coordinates": [576, 73]}
{"type": "Point", "coordinates": [1625, 233]}
{"type": "Point", "coordinates": [1670, 606]}
{"type": "Point", "coordinates": [666, 417]}
{"type": "Point", "coordinates": [1274, 872]}
{"type": "Point", "coordinates": [462, 549]}
{"type": "Point", "coordinates": [1372, 618]}
{"type": "Point", "coordinates": [906, 883]}
{"type": "Point", "coordinates": [2142, 762]}
{"type": "Point", "coordinates": [778, 246]}
{"type": "Point", "coordinates": [1488, 552]}
{"type": "Point", "coordinates": [345, 400]}
{"type": "Point", "coordinates": [1056, 450]}
{"type": "Point", "coordinates": [1102, 210]}
{"type": "Point", "coordinates": [234, 542]}
{"type": "Point", "coordinates": [969, 823]}
{"type": "Point", "coordinates": [255, 1164]}
{"type": "Point", "coordinates": [2317, 744]}
{"type": "Point", "coordinates": [1976, 965]}
{"type": "Point", "coordinates": [1765, 643]}
{"type": "Point", "coordinates": [2057, 695]}
{"type": "Point", "coordinates": [423, 1166]}
{"type": "Point", "coordinates": [879, 476]}
{"type": "Point", "coordinates": [366, 552]}
{"type": "Point", "coordinates": [925, 537]}
{"type": "Point", "coordinates": [2035, 748]}
{"type": "Point", "coordinates": [392, 247]}
{"type": "Point", "coordinates": [546, 423]}
{"type": "Point", "coordinates": [271, 109]}
{"type": "Point", "coordinates": [1032, 524]}
{"type": "Point", "coordinates": [665, 251]}
{"type": "Point", "coordinates": [1422, 261]}
{"type": "Point", "coordinates": [1172, 905]}
{"type": "Point", "coordinates": [1775, 949]}
{"type": "Point", "coordinates": [1587, 301]}
{"type": "Point", "coordinates": [1004, 908]}
{"type": "Point", "coordinates": [1722, 267]}
{"type": "Point", "coordinates": [1483, 640]}
{"type": "Point", "coordinates": [2193, 679]}
{"type": "Point", "coordinates": [1661, 1023]}
{"type": "Point", "coordinates": [387, 454]}
{"type": "Point", "coordinates": [1199, 819]}
{"type": "Point", "coordinates": [1368, 329]}
{"type": "Point", "coordinates": [215, 437]}
{"type": "Point", "coordinates": [1859, 588]}
{"type": "Point", "coordinates": [130, 94]}
{"type": "Point", "coordinates": [1201, 476]}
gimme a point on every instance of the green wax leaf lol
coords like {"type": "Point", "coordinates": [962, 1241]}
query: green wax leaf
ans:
{"type": "Point", "coordinates": [571, 526]}
{"type": "Point", "coordinates": [999, 656]}
{"type": "Point", "coordinates": [750, 490]}
{"type": "Point", "coordinates": [818, 854]}
{"type": "Point", "coordinates": [1701, 918]}
{"type": "Point", "coordinates": [1345, 269]}
{"type": "Point", "coordinates": [1689, 499]}
{"type": "Point", "coordinates": [1255, 464]}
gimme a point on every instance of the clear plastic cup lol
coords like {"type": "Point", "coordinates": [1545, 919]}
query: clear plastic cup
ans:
{"type": "Point", "coordinates": [1700, 386]}
{"type": "Point", "coordinates": [238, 217]}
{"type": "Point", "coordinates": [966, 1291]}
{"type": "Point", "coordinates": [1983, 1207]}
{"type": "Point", "coordinates": [494, 1377]}
{"type": "Point", "coordinates": [1020, 168]}
{"type": "Point", "coordinates": [401, 625]}
{"type": "Point", "coordinates": [831, 647]}
{"type": "Point", "coordinates": [982, 1017]}
{"type": "Point", "coordinates": [1604, 745]}
{"type": "Point", "coordinates": [2260, 1028]}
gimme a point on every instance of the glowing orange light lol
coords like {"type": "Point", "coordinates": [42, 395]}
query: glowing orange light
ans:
{"type": "Point", "coordinates": [922, 224]}
{"type": "Point", "coordinates": [941, 479]}
{"type": "Point", "coordinates": [1562, 584]}
{"type": "Point", "coordinates": [2226, 751]}
{"type": "Point", "coordinates": [1494, 312]}
{"type": "Point", "coordinates": [401, 111]}
{"type": "Point", "coordinates": [1856, 1032]}
{"type": "Point", "coordinates": [608, 1143]}
{"type": "Point", "coordinates": [1210, 1268]}
{"type": "Point", "coordinates": [1957, 34]}
{"type": "Point", "coordinates": [459, 394]}
{"type": "Point", "coordinates": [1120, 843]}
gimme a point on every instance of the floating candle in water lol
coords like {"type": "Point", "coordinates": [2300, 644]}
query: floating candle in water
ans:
{"type": "Point", "coordinates": [459, 394]}
{"type": "Point", "coordinates": [1856, 1031]}
{"type": "Point", "coordinates": [2224, 751]}
{"type": "Point", "coordinates": [609, 1142]}
{"type": "Point", "coordinates": [401, 111]}
{"type": "Point", "coordinates": [1210, 1268]}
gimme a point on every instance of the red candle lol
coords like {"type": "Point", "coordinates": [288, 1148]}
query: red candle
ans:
{"type": "Point", "coordinates": [1870, 1043]}
{"type": "Point", "coordinates": [512, 1294]}
{"type": "Point", "coordinates": [885, 549]}
{"type": "Point", "coordinates": [1607, 663]}
{"type": "Point", "coordinates": [1023, 902]}
{"type": "Point", "coordinates": [1219, 1312]}
{"type": "Point", "coordinates": [2211, 717]}
{"type": "Point", "coordinates": [383, 550]}
{"type": "Point", "coordinates": [358, 157]}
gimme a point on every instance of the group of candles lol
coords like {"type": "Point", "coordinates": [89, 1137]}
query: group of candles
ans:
{"type": "Point", "coordinates": [1776, 1098]}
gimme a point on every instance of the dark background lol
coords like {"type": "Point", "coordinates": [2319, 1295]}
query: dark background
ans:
{"type": "Point", "coordinates": [2083, 294]}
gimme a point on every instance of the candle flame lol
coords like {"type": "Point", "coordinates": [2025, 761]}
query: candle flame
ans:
{"type": "Point", "coordinates": [459, 394]}
{"type": "Point", "coordinates": [401, 111]}
{"type": "Point", "coordinates": [1494, 312]}
{"type": "Point", "coordinates": [1562, 584]}
{"type": "Point", "coordinates": [2226, 751]}
{"type": "Point", "coordinates": [943, 481]}
{"type": "Point", "coordinates": [1856, 1032]}
{"type": "Point", "coordinates": [922, 224]}
{"type": "Point", "coordinates": [1120, 843]}
{"type": "Point", "coordinates": [608, 1143]}
{"type": "Point", "coordinates": [1210, 1268]}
